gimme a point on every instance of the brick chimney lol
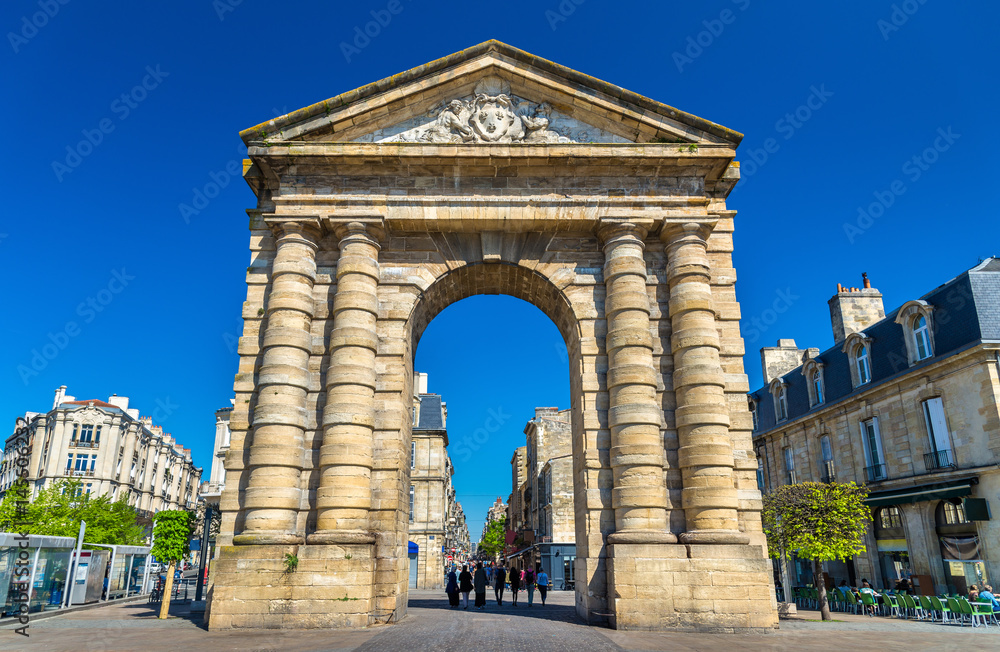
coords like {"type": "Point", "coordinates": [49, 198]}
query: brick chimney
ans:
{"type": "Point", "coordinates": [854, 309]}
{"type": "Point", "coordinates": [779, 360]}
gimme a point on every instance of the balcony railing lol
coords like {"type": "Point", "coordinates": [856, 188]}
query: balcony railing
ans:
{"type": "Point", "coordinates": [84, 444]}
{"type": "Point", "coordinates": [939, 460]}
{"type": "Point", "coordinates": [829, 473]}
{"type": "Point", "coordinates": [79, 473]}
{"type": "Point", "coordinates": [876, 472]}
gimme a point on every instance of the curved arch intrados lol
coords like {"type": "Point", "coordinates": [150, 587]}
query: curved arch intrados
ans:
{"type": "Point", "coordinates": [495, 278]}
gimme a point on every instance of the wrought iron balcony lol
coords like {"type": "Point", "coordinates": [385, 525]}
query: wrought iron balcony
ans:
{"type": "Point", "coordinates": [84, 444]}
{"type": "Point", "coordinates": [79, 472]}
{"type": "Point", "coordinates": [829, 473]}
{"type": "Point", "coordinates": [876, 472]}
{"type": "Point", "coordinates": [939, 460]}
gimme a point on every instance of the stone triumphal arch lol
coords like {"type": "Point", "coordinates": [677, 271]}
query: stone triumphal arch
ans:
{"type": "Point", "coordinates": [491, 171]}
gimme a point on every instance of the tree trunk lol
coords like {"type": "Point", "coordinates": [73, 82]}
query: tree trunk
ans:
{"type": "Point", "coordinates": [168, 588]}
{"type": "Point", "coordinates": [824, 604]}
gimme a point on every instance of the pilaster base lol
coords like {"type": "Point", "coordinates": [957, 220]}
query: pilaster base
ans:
{"type": "Point", "coordinates": [701, 588]}
{"type": "Point", "coordinates": [332, 587]}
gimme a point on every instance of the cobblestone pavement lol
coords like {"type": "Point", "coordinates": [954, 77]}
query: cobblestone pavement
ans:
{"type": "Point", "coordinates": [431, 625]}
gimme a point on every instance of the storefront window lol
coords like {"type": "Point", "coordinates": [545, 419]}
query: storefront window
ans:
{"type": "Point", "coordinates": [961, 552]}
{"type": "Point", "coordinates": [890, 541]}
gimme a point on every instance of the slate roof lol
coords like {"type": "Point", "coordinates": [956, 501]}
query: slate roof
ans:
{"type": "Point", "coordinates": [430, 413]}
{"type": "Point", "coordinates": [966, 311]}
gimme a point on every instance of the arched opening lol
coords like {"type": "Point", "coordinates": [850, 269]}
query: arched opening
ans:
{"type": "Point", "coordinates": [960, 547]}
{"type": "Point", "coordinates": [891, 544]}
{"type": "Point", "coordinates": [514, 424]}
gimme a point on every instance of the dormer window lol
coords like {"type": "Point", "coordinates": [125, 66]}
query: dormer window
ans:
{"type": "Point", "coordinates": [917, 320]}
{"type": "Point", "coordinates": [922, 338]}
{"type": "Point", "coordinates": [858, 349]}
{"type": "Point", "coordinates": [812, 369]}
{"type": "Point", "coordinates": [752, 405]}
{"type": "Point", "coordinates": [863, 364]}
{"type": "Point", "coordinates": [816, 381]}
{"type": "Point", "coordinates": [779, 392]}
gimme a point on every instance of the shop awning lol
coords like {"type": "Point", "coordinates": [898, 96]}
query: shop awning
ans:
{"type": "Point", "coordinates": [413, 548]}
{"type": "Point", "coordinates": [920, 493]}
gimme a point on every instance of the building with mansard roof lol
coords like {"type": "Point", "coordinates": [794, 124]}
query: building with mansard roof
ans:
{"type": "Point", "coordinates": [907, 403]}
{"type": "Point", "coordinates": [437, 521]}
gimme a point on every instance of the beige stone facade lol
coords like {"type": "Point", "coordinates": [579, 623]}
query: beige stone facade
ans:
{"type": "Point", "coordinates": [436, 518]}
{"type": "Point", "coordinates": [111, 450]}
{"type": "Point", "coordinates": [211, 489]}
{"type": "Point", "coordinates": [915, 416]}
{"type": "Point", "coordinates": [606, 210]}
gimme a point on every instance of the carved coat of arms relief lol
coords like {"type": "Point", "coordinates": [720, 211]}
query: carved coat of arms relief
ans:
{"type": "Point", "coordinates": [492, 115]}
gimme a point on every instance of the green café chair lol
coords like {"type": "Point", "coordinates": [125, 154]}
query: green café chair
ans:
{"type": "Point", "coordinates": [915, 606]}
{"type": "Point", "coordinates": [973, 611]}
{"type": "Point", "coordinates": [956, 609]}
{"type": "Point", "coordinates": [852, 601]}
{"type": "Point", "coordinates": [869, 603]}
{"type": "Point", "coordinates": [925, 602]}
{"type": "Point", "coordinates": [986, 609]}
{"type": "Point", "coordinates": [889, 605]}
{"type": "Point", "coordinates": [940, 607]}
{"type": "Point", "coordinates": [833, 597]}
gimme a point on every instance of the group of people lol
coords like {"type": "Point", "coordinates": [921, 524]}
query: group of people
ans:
{"type": "Point", "coordinates": [984, 594]}
{"type": "Point", "coordinates": [460, 585]}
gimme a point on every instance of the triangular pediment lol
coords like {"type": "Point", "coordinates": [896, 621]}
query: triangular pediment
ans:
{"type": "Point", "coordinates": [486, 94]}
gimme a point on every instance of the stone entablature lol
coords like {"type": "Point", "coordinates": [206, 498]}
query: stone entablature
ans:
{"type": "Point", "coordinates": [626, 247]}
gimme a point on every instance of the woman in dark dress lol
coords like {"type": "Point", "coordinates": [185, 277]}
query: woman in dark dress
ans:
{"type": "Point", "coordinates": [452, 589]}
{"type": "Point", "coordinates": [465, 585]}
{"type": "Point", "coordinates": [515, 584]}
{"type": "Point", "coordinates": [479, 583]}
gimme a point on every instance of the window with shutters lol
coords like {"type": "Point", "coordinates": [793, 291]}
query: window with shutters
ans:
{"type": "Point", "coordinates": [875, 460]}
{"type": "Point", "coordinates": [940, 455]}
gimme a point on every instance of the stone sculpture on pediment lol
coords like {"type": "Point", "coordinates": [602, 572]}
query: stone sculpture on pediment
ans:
{"type": "Point", "coordinates": [492, 115]}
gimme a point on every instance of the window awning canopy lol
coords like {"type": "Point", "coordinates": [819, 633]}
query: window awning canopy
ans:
{"type": "Point", "coordinates": [921, 493]}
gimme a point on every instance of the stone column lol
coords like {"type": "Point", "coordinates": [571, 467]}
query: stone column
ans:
{"type": "Point", "coordinates": [639, 496]}
{"type": "Point", "coordinates": [273, 494]}
{"type": "Point", "coordinates": [344, 496]}
{"type": "Point", "coordinates": [706, 451]}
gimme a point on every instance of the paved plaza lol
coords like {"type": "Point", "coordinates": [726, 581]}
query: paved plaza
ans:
{"type": "Point", "coordinates": [431, 625]}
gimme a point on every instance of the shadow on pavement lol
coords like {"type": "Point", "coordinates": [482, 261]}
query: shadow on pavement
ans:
{"type": "Point", "coordinates": [554, 612]}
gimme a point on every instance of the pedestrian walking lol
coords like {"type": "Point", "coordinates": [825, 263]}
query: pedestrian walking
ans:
{"type": "Point", "coordinates": [480, 583]}
{"type": "Point", "coordinates": [529, 584]}
{"type": "Point", "coordinates": [465, 585]}
{"type": "Point", "coordinates": [452, 589]}
{"type": "Point", "coordinates": [500, 578]}
{"type": "Point", "coordinates": [543, 584]}
{"type": "Point", "coordinates": [515, 584]}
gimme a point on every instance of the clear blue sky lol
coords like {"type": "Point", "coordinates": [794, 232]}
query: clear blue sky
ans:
{"type": "Point", "coordinates": [164, 334]}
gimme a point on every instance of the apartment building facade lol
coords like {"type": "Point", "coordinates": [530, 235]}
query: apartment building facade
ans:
{"type": "Point", "coordinates": [907, 403]}
{"type": "Point", "coordinates": [110, 449]}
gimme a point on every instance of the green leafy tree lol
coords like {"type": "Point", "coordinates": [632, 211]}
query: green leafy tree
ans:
{"type": "Point", "coordinates": [817, 521]}
{"type": "Point", "coordinates": [58, 509]}
{"type": "Point", "coordinates": [493, 542]}
{"type": "Point", "coordinates": [172, 531]}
